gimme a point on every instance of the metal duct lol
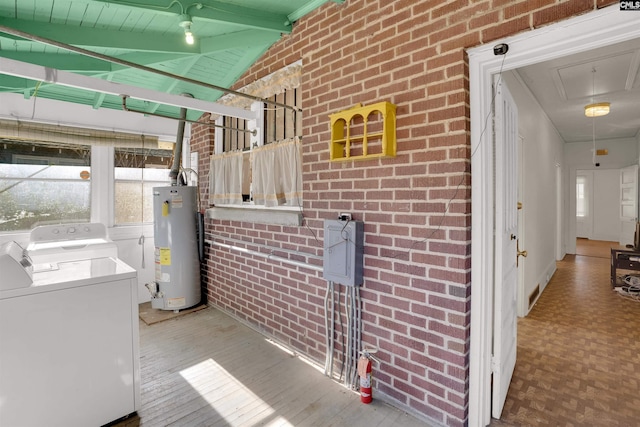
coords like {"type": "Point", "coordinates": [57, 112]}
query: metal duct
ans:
{"type": "Point", "coordinates": [177, 150]}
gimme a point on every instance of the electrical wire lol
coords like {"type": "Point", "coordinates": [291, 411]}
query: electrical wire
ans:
{"type": "Point", "coordinates": [150, 6]}
{"type": "Point", "coordinates": [631, 288]}
{"type": "Point", "coordinates": [593, 119]}
{"type": "Point", "coordinates": [143, 165]}
{"type": "Point", "coordinates": [328, 332]}
{"type": "Point", "coordinates": [344, 353]}
{"type": "Point", "coordinates": [398, 254]}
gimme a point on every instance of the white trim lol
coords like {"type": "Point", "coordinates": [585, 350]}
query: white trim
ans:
{"type": "Point", "coordinates": [12, 67]}
{"type": "Point", "coordinates": [586, 32]}
{"type": "Point", "coordinates": [13, 106]}
{"type": "Point", "coordinates": [218, 136]}
{"type": "Point", "coordinates": [257, 125]}
{"type": "Point", "coordinates": [51, 160]}
{"type": "Point", "coordinates": [276, 215]}
{"type": "Point", "coordinates": [102, 192]}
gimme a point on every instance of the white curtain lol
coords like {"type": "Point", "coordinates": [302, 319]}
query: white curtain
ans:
{"type": "Point", "coordinates": [276, 174]}
{"type": "Point", "coordinates": [225, 179]}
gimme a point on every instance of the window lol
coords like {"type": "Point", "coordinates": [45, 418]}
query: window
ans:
{"type": "Point", "coordinates": [137, 171]}
{"type": "Point", "coordinates": [283, 123]}
{"type": "Point", "coordinates": [235, 135]}
{"type": "Point", "coordinates": [44, 183]}
{"type": "Point", "coordinates": [267, 173]}
{"type": "Point", "coordinates": [52, 174]}
{"type": "Point", "coordinates": [582, 202]}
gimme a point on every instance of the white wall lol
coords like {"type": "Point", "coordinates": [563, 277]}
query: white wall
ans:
{"type": "Point", "coordinates": [542, 156]}
{"type": "Point", "coordinates": [603, 196]}
{"type": "Point", "coordinates": [622, 152]}
{"type": "Point", "coordinates": [606, 204]}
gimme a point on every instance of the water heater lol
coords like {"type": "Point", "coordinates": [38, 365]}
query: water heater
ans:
{"type": "Point", "coordinates": [177, 265]}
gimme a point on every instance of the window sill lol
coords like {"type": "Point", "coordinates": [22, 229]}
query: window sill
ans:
{"type": "Point", "coordinates": [130, 231]}
{"type": "Point", "coordinates": [277, 216]}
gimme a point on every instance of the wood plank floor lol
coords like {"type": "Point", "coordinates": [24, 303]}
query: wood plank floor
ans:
{"type": "Point", "coordinates": [578, 360]}
{"type": "Point", "coordinates": [206, 369]}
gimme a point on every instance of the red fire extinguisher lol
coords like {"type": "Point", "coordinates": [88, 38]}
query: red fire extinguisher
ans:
{"type": "Point", "coordinates": [364, 372]}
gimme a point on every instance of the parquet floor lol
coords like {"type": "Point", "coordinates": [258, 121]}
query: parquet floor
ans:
{"type": "Point", "coordinates": [578, 360]}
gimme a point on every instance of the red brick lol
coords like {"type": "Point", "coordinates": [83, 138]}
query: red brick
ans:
{"type": "Point", "coordinates": [561, 11]}
{"type": "Point", "coordinates": [416, 206]}
{"type": "Point", "coordinates": [505, 28]}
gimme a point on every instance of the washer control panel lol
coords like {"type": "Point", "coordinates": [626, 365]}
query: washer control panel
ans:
{"type": "Point", "coordinates": [60, 232]}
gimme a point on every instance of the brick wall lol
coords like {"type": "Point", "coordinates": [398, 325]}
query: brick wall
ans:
{"type": "Point", "coordinates": [416, 207]}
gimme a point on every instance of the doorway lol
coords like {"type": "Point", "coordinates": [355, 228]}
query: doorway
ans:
{"type": "Point", "coordinates": [578, 358]}
{"type": "Point", "coordinates": [569, 37]}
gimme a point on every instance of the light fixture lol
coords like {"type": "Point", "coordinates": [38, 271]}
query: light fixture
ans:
{"type": "Point", "coordinates": [593, 110]}
{"type": "Point", "coordinates": [597, 110]}
{"type": "Point", "coordinates": [185, 23]}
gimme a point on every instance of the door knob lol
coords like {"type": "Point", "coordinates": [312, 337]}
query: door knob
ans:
{"type": "Point", "coordinates": [519, 252]}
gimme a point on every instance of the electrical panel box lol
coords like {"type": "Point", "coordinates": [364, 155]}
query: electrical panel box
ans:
{"type": "Point", "coordinates": [343, 252]}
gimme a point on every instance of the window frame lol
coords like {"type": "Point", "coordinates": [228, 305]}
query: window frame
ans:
{"type": "Point", "coordinates": [279, 215]}
{"type": "Point", "coordinates": [102, 198]}
{"type": "Point", "coordinates": [582, 181]}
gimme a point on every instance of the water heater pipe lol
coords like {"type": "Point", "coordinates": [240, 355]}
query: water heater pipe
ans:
{"type": "Point", "coordinates": [177, 150]}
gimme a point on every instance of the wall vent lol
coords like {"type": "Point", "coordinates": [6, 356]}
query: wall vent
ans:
{"type": "Point", "coordinates": [534, 295]}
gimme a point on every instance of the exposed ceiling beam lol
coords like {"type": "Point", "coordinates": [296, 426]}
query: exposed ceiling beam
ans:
{"type": "Point", "coordinates": [14, 84]}
{"type": "Point", "coordinates": [152, 108]}
{"type": "Point", "coordinates": [68, 62]}
{"type": "Point", "coordinates": [98, 98]}
{"type": "Point", "coordinates": [35, 72]}
{"type": "Point", "coordinates": [238, 39]}
{"type": "Point", "coordinates": [216, 11]}
{"type": "Point", "coordinates": [249, 56]}
{"type": "Point", "coordinates": [115, 60]}
{"type": "Point", "coordinates": [78, 63]}
{"type": "Point", "coordinates": [95, 37]}
{"type": "Point", "coordinates": [309, 6]}
{"type": "Point", "coordinates": [250, 18]}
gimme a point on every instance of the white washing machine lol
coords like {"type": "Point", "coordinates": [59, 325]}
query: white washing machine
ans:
{"type": "Point", "coordinates": [69, 352]}
{"type": "Point", "coordinates": [67, 242]}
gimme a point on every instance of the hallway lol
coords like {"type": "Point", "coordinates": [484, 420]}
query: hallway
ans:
{"type": "Point", "coordinates": [578, 357]}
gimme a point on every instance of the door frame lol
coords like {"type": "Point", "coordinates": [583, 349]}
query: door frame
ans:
{"type": "Point", "coordinates": [523, 298]}
{"type": "Point", "coordinates": [582, 33]}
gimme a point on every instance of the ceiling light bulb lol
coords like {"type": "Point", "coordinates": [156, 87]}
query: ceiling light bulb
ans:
{"type": "Point", "coordinates": [188, 36]}
{"type": "Point", "coordinates": [597, 110]}
{"type": "Point", "coordinates": [185, 23]}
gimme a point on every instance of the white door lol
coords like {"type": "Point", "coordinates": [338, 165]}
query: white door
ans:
{"type": "Point", "coordinates": [506, 276]}
{"type": "Point", "coordinates": [628, 204]}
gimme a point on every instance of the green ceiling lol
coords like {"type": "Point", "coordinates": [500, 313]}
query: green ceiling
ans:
{"type": "Point", "coordinates": [230, 36]}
